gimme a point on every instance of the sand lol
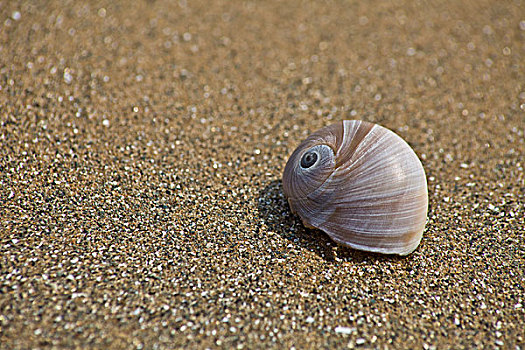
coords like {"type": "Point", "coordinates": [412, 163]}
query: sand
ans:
{"type": "Point", "coordinates": [141, 153]}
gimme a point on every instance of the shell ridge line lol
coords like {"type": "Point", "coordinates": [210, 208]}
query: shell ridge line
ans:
{"type": "Point", "coordinates": [365, 149]}
{"type": "Point", "coordinates": [360, 131]}
{"type": "Point", "coordinates": [343, 133]}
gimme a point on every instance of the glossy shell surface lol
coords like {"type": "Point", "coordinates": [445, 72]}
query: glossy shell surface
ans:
{"type": "Point", "coordinates": [361, 184]}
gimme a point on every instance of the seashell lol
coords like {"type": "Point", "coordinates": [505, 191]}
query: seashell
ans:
{"type": "Point", "coordinates": [361, 184]}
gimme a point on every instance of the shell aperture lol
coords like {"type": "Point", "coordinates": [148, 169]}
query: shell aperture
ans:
{"type": "Point", "coordinates": [308, 159]}
{"type": "Point", "coordinates": [360, 183]}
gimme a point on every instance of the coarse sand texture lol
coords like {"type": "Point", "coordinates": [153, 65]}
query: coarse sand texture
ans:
{"type": "Point", "coordinates": [142, 147]}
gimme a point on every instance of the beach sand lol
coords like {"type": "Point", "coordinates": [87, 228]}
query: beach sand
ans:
{"type": "Point", "coordinates": [142, 146]}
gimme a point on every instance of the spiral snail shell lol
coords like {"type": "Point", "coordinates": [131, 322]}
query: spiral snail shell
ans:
{"type": "Point", "coordinates": [361, 184]}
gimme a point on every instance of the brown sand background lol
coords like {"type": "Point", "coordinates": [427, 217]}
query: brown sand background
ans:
{"type": "Point", "coordinates": [142, 146]}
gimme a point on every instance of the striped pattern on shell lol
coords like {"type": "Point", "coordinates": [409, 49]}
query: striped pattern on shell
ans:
{"type": "Point", "coordinates": [361, 184]}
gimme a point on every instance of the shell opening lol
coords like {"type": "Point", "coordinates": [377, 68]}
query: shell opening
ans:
{"type": "Point", "coordinates": [309, 159]}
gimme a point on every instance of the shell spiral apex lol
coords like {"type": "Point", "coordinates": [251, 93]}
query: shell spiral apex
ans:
{"type": "Point", "coordinates": [360, 183]}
